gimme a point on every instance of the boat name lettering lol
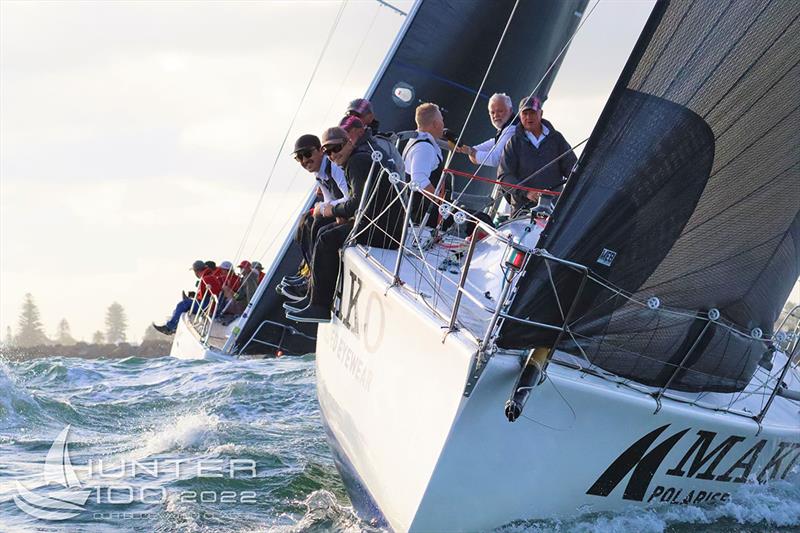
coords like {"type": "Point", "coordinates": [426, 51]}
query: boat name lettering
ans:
{"type": "Point", "coordinates": [702, 460]}
{"type": "Point", "coordinates": [370, 330]}
{"type": "Point", "coordinates": [352, 305]}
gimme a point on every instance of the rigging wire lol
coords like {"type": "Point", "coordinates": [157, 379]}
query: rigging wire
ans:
{"type": "Point", "coordinates": [253, 217]}
{"type": "Point", "coordinates": [569, 406]}
{"type": "Point", "coordinates": [334, 100]}
{"type": "Point", "coordinates": [353, 62]}
{"type": "Point", "coordinates": [483, 82]}
{"type": "Point", "coordinates": [536, 88]}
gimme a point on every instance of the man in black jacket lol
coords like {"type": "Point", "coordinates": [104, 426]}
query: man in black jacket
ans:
{"type": "Point", "coordinates": [536, 156]}
{"type": "Point", "coordinates": [376, 227]}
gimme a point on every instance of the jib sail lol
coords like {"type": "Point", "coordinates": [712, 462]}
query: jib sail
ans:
{"type": "Point", "coordinates": [689, 192]}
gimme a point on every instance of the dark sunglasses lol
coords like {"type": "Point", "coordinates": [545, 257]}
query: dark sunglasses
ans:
{"type": "Point", "coordinates": [333, 149]}
{"type": "Point", "coordinates": [353, 113]}
{"type": "Point", "coordinates": [303, 154]}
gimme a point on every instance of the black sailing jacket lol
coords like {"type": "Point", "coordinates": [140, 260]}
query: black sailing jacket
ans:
{"type": "Point", "coordinates": [521, 159]}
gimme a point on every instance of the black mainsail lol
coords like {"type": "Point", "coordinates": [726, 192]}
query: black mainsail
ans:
{"type": "Point", "coordinates": [688, 191]}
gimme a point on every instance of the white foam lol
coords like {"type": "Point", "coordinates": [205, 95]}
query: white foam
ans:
{"type": "Point", "coordinates": [185, 432]}
{"type": "Point", "coordinates": [323, 513]}
{"type": "Point", "coordinates": [774, 505]}
{"type": "Point", "coordinates": [227, 449]}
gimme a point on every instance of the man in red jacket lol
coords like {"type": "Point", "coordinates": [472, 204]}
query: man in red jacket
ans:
{"type": "Point", "coordinates": [210, 282]}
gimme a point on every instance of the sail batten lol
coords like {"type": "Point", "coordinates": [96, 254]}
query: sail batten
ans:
{"type": "Point", "coordinates": [691, 182]}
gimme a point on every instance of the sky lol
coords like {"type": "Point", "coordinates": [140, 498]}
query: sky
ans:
{"type": "Point", "coordinates": [136, 137]}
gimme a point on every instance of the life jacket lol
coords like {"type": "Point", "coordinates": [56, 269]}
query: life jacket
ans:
{"type": "Point", "coordinates": [393, 159]}
{"type": "Point", "coordinates": [330, 183]}
{"type": "Point", "coordinates": [422, 204]}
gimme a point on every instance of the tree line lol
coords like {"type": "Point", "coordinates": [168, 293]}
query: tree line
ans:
{"type": "Point", "coordinates": [30, 334]}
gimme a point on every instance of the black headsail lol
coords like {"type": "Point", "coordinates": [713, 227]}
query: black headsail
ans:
{"type": "Point", "coordinates": [688, 191]}
{"type": "Point", "coordinates": [441, 56]}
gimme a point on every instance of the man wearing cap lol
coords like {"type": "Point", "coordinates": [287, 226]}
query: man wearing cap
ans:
{"type": "Point", "coordinates": [223, 272]}
{"type": "Point", "coordinates": [332, 184]}
{"type": "Point", "coordinates": [392, 160]}
{"type": "Point", "coordinates": [423, 158]}
{"type": "Point", "coordinates": [362, 108]}
{"type": "Point", "coordinates": [259, 268]}
{"type": "Point", "coordinates": [246, 285]}
{"type": "Point", "coordinates": [489, 152]}
{"type": "Point", "coordinates": [381, 221]}
{"type": "Point", "coordinates": [536, 156]}
{"type": "Point", "coordinates": [208, 283]}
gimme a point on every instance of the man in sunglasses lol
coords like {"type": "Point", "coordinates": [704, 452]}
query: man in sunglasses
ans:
{"type": "Point", "coordinates": [380, 224]}
{"type": "Point", "coordinates": [333, 187]}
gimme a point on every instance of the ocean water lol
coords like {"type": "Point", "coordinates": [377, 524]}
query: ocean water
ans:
{"type": "Point", "coordinates": [165, 445]}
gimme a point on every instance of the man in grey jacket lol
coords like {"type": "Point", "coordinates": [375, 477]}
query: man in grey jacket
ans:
{"type": "Point", "coordinates": [536, 156]}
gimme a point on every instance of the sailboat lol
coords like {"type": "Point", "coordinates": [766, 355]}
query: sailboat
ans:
{"type": "Point", "coordinates": [421, 65]}
{"type": "Point", "coordinates": [621, 351]}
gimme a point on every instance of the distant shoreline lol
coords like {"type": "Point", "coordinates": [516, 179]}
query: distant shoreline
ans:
{"type": "Point", "coordinates": [147, 349]}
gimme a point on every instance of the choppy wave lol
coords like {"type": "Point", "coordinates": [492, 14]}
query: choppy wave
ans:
{"type": "Point", "coordinates": [142, 410]}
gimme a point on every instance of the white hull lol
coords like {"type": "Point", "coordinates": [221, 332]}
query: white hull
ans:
{"type": "Point", "coordinates": [413, 450]}
{"type": "Point", "coordinates": [187, 344]}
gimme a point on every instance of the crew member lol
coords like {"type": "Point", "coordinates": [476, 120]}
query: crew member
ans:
{"type": "Point", "coordinates": [182, 307]}
{"type": "Point", "coordinates": [247, 283]}
{"type": "Point", "coordinates": [536, 156]}
{"type": "Point", "coordinates": [207, 284]}
{"type": "Point", "coordinates": [489, 152]}
{"type": "Point", "coordinates": [362, 108]}
{"type": "Point", "coordinates": [258, 267]}
{"type": "Point", "coordinates": [423, 160]}
{"type": "Point", "coordinates": [332, 184]}
{"type": "Point", "coordinates": [380, 224]}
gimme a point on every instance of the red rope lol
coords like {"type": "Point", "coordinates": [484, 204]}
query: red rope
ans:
{"type": "Point", "coordinates": [509, 185]}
